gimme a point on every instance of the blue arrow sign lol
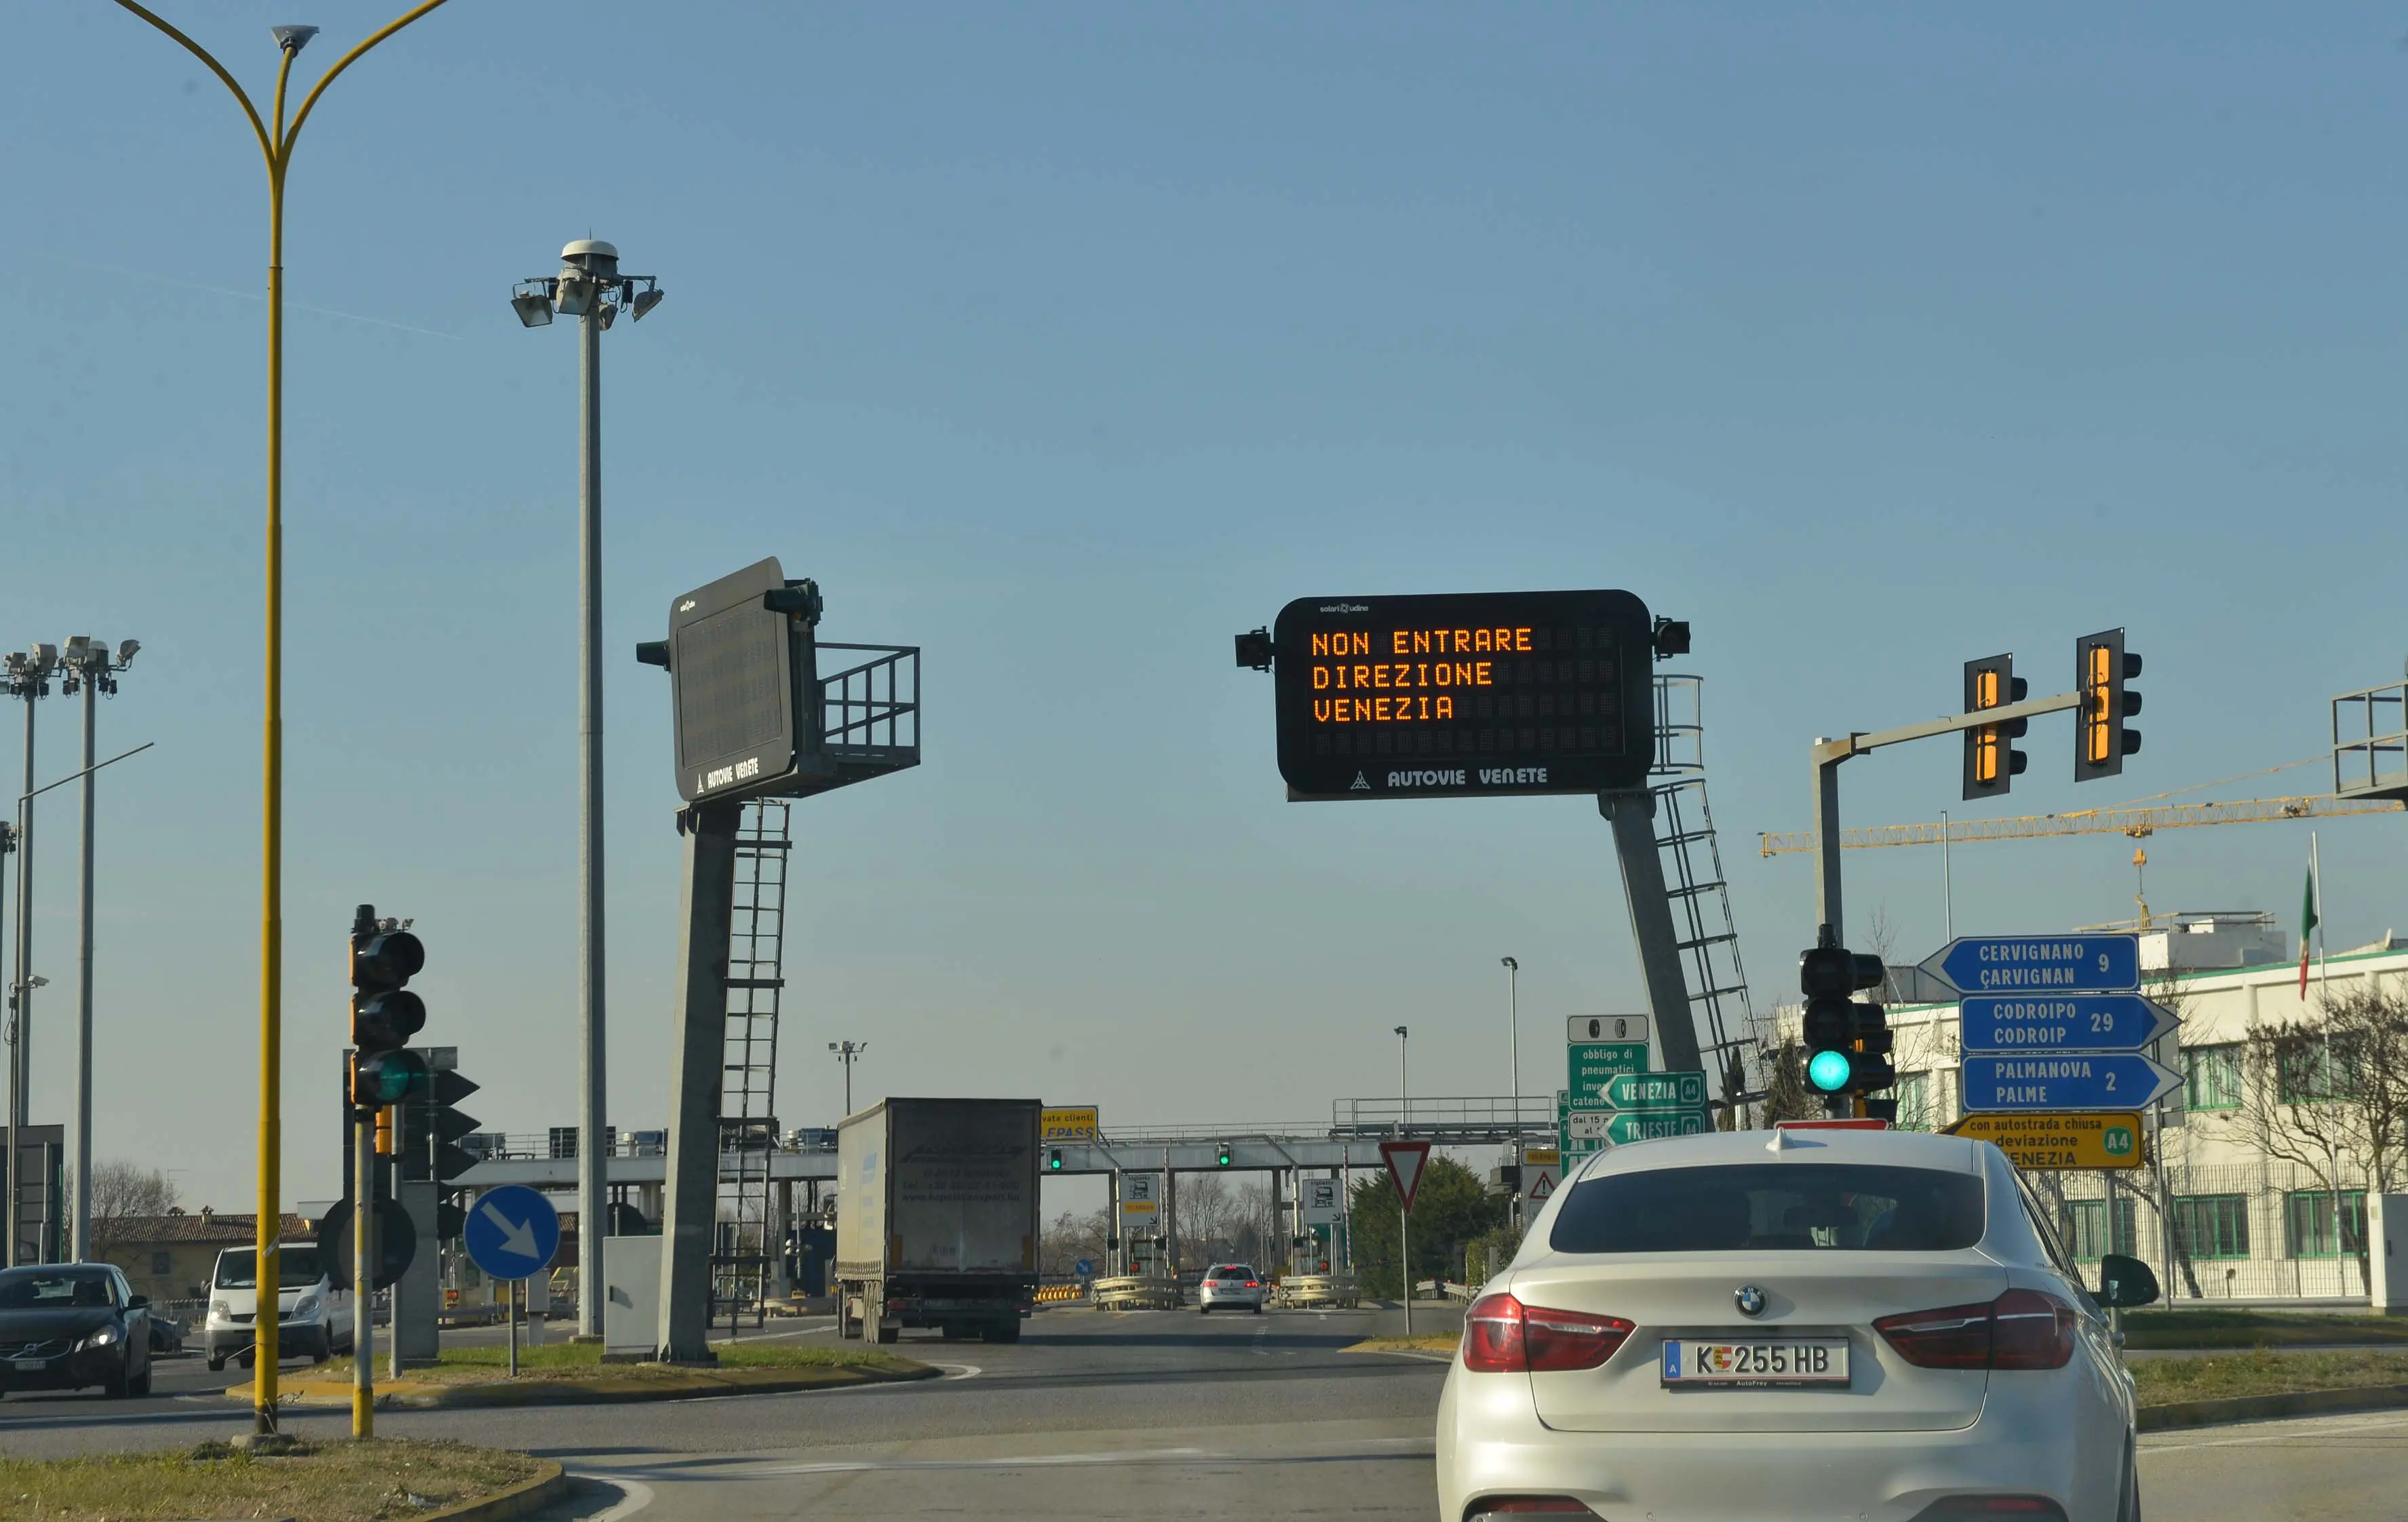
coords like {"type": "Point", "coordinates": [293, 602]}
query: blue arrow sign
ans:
{"type": "Point", "coordinates": [512, 1232]}
{"type": "Point", "coordinates": [2076, 964]}
{"type": "Point", "coordinates": [2066, 1081]}
{"type": "Point", "coordinates": [2062, 1022]}
{"type": "Point", "coordinates": [1084, 1267]}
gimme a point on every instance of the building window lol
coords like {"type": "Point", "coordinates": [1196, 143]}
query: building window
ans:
{"type": "Point", "coordinates": [2308, 1075]}
{"type": "Point", "coordinates": [2212, 1077]}
{"type": "Point", "coordinates": [2308, 1222]}
{"type": "Point", "coordinates": [2087, 1220]}
{"type": "Point", "coordinates": [161, 1264]}
{"type": "Point", "coordinates": [1914, 1101]}
{"type": "Point", "coordinates": [2213, 1225]}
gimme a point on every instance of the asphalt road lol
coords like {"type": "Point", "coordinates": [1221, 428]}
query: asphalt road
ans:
{"type": "Point", "coordinates": [1172, 1414]}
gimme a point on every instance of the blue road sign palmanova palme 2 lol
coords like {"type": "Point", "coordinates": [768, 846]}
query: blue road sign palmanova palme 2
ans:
{"type": "Point", "coordinates": [2065, 1081]}
{"type": "Point", "coordinates": [511, 1232]}
{"type": "Point", "coordinates": [2074, 964]}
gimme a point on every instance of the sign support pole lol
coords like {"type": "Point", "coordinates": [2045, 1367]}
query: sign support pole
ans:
{"type": "Point", "coordinates": [696, 1056]}
{"type": "Point", "coordinates": [1633, 817]}
{"type": "Point", "coordinates": [363, 1276]}
{"type": "Point", "coordinates": [511, 1289]}
{"type": "Point", "coordinates": [1405, 1255]}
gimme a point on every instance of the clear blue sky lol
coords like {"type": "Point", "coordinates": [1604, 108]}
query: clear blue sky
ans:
{"type": "Point", "coordinates": [1067, 341]}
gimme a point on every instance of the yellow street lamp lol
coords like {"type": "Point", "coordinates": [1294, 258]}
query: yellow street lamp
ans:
{"type": "Point", "coordinates": [278, 150]}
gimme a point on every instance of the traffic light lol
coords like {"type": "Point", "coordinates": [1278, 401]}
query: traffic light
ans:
{"type": "Point", "coordinates": [1991, 760]}
{"type": "Point", "coordinates": [2101, 739]}
{"type": "Point", "coordinates": [384, 1014]}
{"type": "Point", "coordinates": [1221, 1156]}
{"type": "Point", "coordinates": [1835, 1027]}
{"type": "Point", "coordinates": [432, 1135]}
{"type": "Point", "coordinates": [1053, 1160]}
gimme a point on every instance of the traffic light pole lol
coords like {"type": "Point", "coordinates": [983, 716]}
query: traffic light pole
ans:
{"type": "Point", "coordinates": [1829, 909]}
{"type": "Point", "coordinates": [1827, 755]}
{"type": "Point", "coordinates": [363, 1276]}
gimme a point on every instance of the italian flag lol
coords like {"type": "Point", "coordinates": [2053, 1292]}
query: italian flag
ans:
{"type": "Point", "coordinates": [2307, 915]}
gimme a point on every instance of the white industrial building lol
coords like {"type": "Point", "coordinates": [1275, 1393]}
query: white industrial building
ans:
{"type": "Point", "coordinates": [2249, 1226]}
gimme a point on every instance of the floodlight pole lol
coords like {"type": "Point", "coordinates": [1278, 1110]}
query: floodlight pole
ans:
{"type": "Point", "coordinates": [32, 686]}
{"type": "Point", "coordinates": [278, 151]}
{"type": "Point", "coordinates": [593, 1160]}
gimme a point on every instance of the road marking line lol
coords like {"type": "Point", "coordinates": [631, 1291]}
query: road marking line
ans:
{"type": "Point", "coordinates": [863, 1465]}
{"type": "Point", "coordinates": [638, 1494]}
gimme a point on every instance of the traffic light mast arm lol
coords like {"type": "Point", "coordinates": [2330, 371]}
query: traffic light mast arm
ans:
{"type": "Point", "coordinates": [1826, 754]}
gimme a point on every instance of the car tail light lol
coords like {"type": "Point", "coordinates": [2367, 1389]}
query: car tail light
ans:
{"type": "Point", "coordinates": [1253, 1283]}
{"type": "Point", "coordinates": [1502, 1336]}
{"type": "Point", "coordinates": [1489, 1508]}
{"type": "Point", "coordinates": [2022, 1328]}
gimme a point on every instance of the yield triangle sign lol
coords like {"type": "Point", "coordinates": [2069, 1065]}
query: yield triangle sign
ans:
{"type": "Point", "coordinates": [1405, 1160]}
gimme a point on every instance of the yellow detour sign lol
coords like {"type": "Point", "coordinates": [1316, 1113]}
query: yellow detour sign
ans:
{"type": "Point", "coordinates": [1076, 1124]}
{"type": "Point", "coordinates": [2078, 1139]}
{"type": "Point", "coordinates": [1542, 1157]}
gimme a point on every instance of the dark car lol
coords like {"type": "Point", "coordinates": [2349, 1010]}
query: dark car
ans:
{"type": "Point", "coordinates": [67, 1326]}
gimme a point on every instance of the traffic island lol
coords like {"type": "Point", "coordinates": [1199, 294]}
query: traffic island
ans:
{"type": "Point", "coordinates": [2261, 1386]}
{"type": "Point", "coordinates": [573, 1373]}
{"type": "Point", "coordinates": [1435, 1343]}
{"type": "Point", "coordinates": [326, 1482]}
{"type": "Point", "coordinates": [2239, 1328]}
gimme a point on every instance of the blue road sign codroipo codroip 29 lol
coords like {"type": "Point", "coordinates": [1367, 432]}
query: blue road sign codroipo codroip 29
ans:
{"type": "Point", "coordinates": [2061, 1023]}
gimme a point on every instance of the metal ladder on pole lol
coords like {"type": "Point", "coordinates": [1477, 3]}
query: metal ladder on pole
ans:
{"type": "Point", "coordinates": [1694, 882]}
{"type": "Point", "coordinates": [744, 1244]}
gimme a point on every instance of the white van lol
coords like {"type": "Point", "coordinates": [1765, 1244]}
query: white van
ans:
{"type": "Point", "coordinates": [314, 1317]}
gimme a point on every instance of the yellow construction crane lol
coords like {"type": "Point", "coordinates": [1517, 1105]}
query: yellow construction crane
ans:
{"type": "Point", "coordinates": [2136, 822]}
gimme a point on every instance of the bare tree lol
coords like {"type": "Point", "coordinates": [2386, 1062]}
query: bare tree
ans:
{"type": "Point", "coordinates": [123, 1193]}
{"type": "Point", "coordinates": [2328, 1094]}
{"type": "Point", "coordinates": [1068, 1238]}
{"type": "Point", "coordinates": [1785, 1094]}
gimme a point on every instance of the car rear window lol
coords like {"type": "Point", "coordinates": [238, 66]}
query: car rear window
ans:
{"type": "Point", "coordinates": [1772, 1207]}
{"type": "Point", "coordinates": [1232, 1270]}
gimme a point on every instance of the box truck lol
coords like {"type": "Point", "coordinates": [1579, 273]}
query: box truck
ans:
{"type": "Point", "coordinates": [936, 1218]}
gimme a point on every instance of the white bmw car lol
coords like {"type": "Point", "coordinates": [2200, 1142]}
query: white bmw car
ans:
{"type": "Point", "coordinates": [1797, 1324]}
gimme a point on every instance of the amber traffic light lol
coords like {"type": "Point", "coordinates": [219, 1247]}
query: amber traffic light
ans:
{"type": "Point", "coordinates": [2102, 736]}
{"type": "Point", "coordinates": [1991, 760]}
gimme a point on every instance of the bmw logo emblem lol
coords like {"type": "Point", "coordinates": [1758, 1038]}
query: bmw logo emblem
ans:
{"type": "Point", "coordinates": [1750, 1300]}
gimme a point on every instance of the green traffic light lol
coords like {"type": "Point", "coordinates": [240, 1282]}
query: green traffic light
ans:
{"type": "Point", "coordinates": [1829, 1071]}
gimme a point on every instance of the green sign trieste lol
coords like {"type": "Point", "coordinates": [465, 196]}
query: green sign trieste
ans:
{"type": "Point", "coordinates": [1594, 1064]}
{"type": "Point", "coordinates": [1656, 1091]}
{"type": "Point", "coordinates": [1646, 1125]}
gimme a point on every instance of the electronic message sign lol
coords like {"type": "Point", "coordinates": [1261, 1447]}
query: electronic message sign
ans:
{"type": "Point", "coordinates": [1464, 695]}
{"type": "Point", "coordinates": [734, 674]}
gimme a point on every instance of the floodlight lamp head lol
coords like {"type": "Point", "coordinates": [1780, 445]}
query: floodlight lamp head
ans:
{"type": "Point", "coordinates": [291, 39]}
{"type": "Point", "coordinates": [126, 652]}
{"type": "Point", "coordinates": [574, 292]}
{"type": "Point", "coordinates": [605, 313]}
{"type": "Point", "coordinates": [533, 304]}
{"type": "Point", "coordinates": [645, 300]}
{"type": "Point", "coordinates": [43, 658]}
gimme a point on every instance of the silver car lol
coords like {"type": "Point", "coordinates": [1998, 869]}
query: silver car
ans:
{"type": "Point", "coordinates": [1873, 1325]}
{"type": "Point", "coordinates": [1230, 1287]}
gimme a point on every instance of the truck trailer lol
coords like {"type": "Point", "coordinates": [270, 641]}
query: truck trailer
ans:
{"type": "Point", "coordinates": [936, 1218]}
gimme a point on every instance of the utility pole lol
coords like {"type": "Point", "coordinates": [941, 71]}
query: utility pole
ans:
{"type": "Point", "coordinates": [589, 288]}
{"type": "Point", "coordinates": [848, 1052]}
{"type": "Point", "coordinates": [89, 669]}
{"type": "Point", "coordinates": [1404, 1094]}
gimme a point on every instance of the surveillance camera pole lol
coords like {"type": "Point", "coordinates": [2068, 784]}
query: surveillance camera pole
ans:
{"type": "Point", "coordinates": [93, 671]}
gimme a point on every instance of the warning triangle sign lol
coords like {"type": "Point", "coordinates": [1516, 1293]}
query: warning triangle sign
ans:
{"type": "Point", "coordinates": [1405, 1160]}
{"type": "Point", "coordinates": [1542, 1184]}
